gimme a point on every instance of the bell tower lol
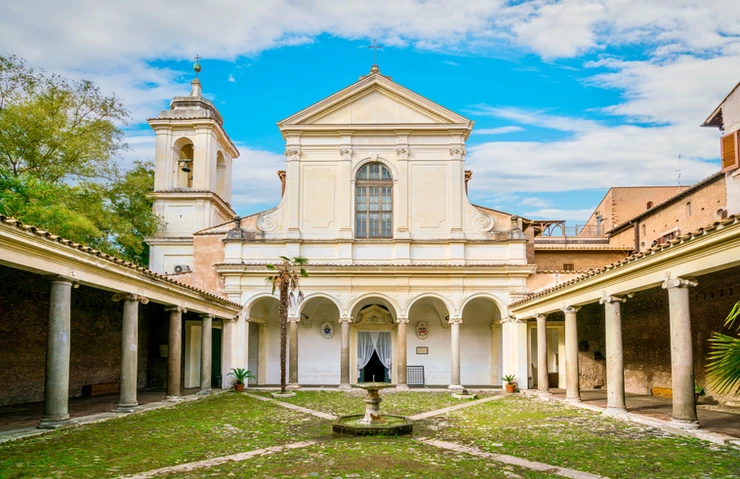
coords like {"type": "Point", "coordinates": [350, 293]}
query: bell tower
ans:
{"type": "Point", "coordinates": [192, 177]}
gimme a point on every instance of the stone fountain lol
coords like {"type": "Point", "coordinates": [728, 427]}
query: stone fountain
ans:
{"type": "Point", "coordinates": [372, 422]}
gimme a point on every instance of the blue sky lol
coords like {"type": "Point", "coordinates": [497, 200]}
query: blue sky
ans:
{"type": "Point", "coordinates": [569, 97]}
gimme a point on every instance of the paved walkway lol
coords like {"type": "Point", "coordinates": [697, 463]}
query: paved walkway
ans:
{"type": "Point", "coordinates": [711, 418]}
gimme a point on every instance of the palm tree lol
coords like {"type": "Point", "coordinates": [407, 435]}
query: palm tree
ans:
{"type": "Point", "coordinates": [286, 280]}
{"type": "Point", "coordinates": [724, 365]}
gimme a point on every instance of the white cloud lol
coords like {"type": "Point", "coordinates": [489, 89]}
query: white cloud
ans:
{"type": "Point", "coordinates": [501, 130]}
{"type": "Point", "coordinates": [453, 64]}
{"type": "Point", "coordinates": [255, 184]}
{"type": "Point", "coordinates": [535, 202]}
{"type": "Point", "coordinates": [232, 79]}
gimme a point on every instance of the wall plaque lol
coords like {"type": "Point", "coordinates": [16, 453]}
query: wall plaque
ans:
{"type": "Point", "coordinates": [422, 350]}
{"type": "Point", "coordinates": [327, 330]}
{"type": "Point", "coordinates": [422, 330]}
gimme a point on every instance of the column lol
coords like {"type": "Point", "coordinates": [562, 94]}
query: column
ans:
{"type": "Point", "coordinates": [455, 353]}
{"type": "Point", "coordinates": [542, 378]}
{"type": "Point", "coordinates": [174, 353]}
{"type": "Point", "coordinates": [56, 386]}
{"type": "Point", "coordinates": [344, 358]}
{"type": "Point", "coordinates": [206, 336]}
{"type": "Point", "coordinates": [682, 355]}
{"type": "Point", "coordinates": [127, 401]}
{"type": "Point", "coordinates": [401, 337]}
{"type": "Point", "coordinates": [572, 384]}
{"type": "Point", "coordinates": [614, 355]}
{"type": "Point", "coordinates": [293, 353]}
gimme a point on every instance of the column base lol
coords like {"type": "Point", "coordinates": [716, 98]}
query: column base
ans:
{"type": "Point", "coordinates": [127, 408]}
{"type": "Point", "coordinates": [345, 387]}
{"type": "Point", "coordinates": [545, 393]}
{"type": "Point", "coordinates": [614, 411]}
{"type": "Point", "coordinates": [402, 387]}
{"type": "Point", "coordinates": [685, 423]}
{"type": "Point", "coordinates": [54, 423]}
{"type": "Point", "coordinates": [204, 392]}
{"type": "Point", "coordinates": [172, 398]}
{"type": "Point", "coordinates": [293, 386]}
{"type": "Point", "coordinates": [455, 387]}
{"type": "Point", "coordinates": [574, 400]}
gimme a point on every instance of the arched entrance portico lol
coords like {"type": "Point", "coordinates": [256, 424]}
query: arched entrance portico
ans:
{"type": "Point", "coordinates": [480, 337]}
{"type": "Point", "coordinates": [319, 342]}
{"type": "Point", "coordinates": [373, 341]}
{"type": "Point", "coordinates": [263, 348]}
{"type": "Point", "coordinates": [428, 340]}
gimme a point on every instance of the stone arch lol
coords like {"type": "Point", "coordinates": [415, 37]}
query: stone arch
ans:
{"type": "Point", "coordinates": [502, 307]}
{"type": "Point", "coordinates": [375, 159]}
{"type": "Point", "coordinates": [221, 175]}
{"type": "Point", "coordinates": [387, 301]}
{"type": "Point", "coordinates": [446, 301]}
{"type": "Point", "coordinates": [329, 297]}
{"type": "Point", "coordinates": [252, 301]}
{"type": "Point", "coordinates": [184, 159]}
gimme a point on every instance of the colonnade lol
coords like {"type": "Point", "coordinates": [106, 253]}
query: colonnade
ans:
{"type": "Point", "coordinates": [344, 376]}
{"type": "Point", "coordinates": [682, 357]}
{"type": "Point", "coordinates": [56, 387]}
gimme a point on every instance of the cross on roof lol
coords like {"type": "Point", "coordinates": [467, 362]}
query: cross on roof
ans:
{"type": "Point", "coordinates": [375, 48]}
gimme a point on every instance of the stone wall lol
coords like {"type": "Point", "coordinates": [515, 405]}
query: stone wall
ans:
{"type": "Point", "coordinates": [646, 334]}
{"type": "Point", "coordinates": [95, 337]}
{"type": "Point", "coordinates": [582, 260]}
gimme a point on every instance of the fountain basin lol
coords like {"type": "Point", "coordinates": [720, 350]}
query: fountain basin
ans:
{"type": "Point", "coordinates": [391, 426]}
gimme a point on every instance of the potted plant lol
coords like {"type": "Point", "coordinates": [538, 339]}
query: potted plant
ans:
{"type": "Point", "coordinates": [510, 384]}
{"type": "Point", "coordinates": [698, 392]}
{"type": "Point", "coordinates": [240, 374]}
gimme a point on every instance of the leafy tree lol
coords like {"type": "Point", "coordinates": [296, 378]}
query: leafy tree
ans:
{"type": "Point", "coordinates": [287, 281]}
{"type": "Point", "coordinates": [724, 365]}
{"type": "Point", "coordinates": [55, 128]}
{"type": "Point", "coordinates": [112, 216]}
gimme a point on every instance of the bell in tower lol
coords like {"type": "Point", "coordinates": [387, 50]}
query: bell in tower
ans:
{"type": "Point", "coordinates": [192, 176]}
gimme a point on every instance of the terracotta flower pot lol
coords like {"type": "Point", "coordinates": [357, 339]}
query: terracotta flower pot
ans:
{"type": "Point", "coordinates": [510, 387]}
{"type": "Point", "coordinates": [239, 387]}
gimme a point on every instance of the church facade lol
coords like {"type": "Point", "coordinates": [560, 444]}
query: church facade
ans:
{"type": "Point", "coordinates": [405, 274]}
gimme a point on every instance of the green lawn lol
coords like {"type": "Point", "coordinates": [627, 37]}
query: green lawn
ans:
{"type": "Point", "coordinates": [231, 423]}
{"type": "Point", "coordinates": [341, 403]}
{"type": "Point", "coordinates": [212, 427]}
{"type": "Point", "coordinates": [368, 457]}
{"type": "Point", "coordinates": [557, 434]}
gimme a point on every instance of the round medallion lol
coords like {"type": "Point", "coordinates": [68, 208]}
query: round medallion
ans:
{"type": "Point", "coordinates": [422, 330]}
{"type": "Point", "coordinates": [327, 330]}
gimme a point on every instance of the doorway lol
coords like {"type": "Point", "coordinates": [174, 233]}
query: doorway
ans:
{"type": "Point", "coordinates": [374, 350]}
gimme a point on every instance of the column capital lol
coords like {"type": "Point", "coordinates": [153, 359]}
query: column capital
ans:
{"type": "Point", "coordinates": [176, 309]}
{"type": "Point", "coordinates": [607, 298]}
{"type": "Point", "coordinates": [679, 283]}
{"type": "Point", "coordinates": [402, 320]}
{"type": "Point", "coordinates": [130, 297]}
{"type": "Point", "coordinates": [540, 316]}
{"type": "Point", "coordinates": [207, 316]}
{"type": "Point", "coordinates": [455, 320]}
{"type": "Point", "coordinates": [294, 319]}
{"type": "Point", "coordinates": [58, 278]}
{"type": "Point", "coordinates": [345, 320]}
{"type": "Point", "coordinates": [570, 309]}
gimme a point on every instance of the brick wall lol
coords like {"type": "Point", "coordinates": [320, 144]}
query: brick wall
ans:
{"type": "Point", "coordinates": [95, 337]}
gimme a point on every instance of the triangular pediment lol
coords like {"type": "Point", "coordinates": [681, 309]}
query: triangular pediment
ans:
{"type": "Point", "coordinates": [375, 100]}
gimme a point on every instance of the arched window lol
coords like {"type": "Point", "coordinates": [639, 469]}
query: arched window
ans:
{"type": "Point", "coordinates": [185, 166]}
{"type": "Point", "coordinates": [688, 209]}
{"type": "Point", "coordinates": [374, 202]}
{"type": "Point", "coordinates": [649, 204]}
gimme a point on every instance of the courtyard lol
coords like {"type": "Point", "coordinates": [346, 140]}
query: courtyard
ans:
{"type": "Point", "coordinates": [252, 435]}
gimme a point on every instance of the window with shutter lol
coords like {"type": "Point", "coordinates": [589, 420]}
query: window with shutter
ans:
{"type": "Point", "coordinates": [729, 145]}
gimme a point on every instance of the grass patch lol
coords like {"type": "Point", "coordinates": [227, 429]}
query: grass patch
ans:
{"type": "Point", "coordinates": [211, 427]}
{"type": "Point", "coordinates": [560, 435]}
{"type": "Point", "coordinates": [341, 403]}
{"type": "Point", "coordinates": [368, 457]}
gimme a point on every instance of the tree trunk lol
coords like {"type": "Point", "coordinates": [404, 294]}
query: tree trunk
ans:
{"type": "Point", "coordinates": [283, 332]}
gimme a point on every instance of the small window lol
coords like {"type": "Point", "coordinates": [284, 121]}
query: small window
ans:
{"type": "Point", "coordinates": [568, 267]}
{"type": "Point", "coordinates": [644, 230]}
{"type": "Point", "coordinates": [650, 204]}
{"type": "Point", "coordinates": [688, 208]}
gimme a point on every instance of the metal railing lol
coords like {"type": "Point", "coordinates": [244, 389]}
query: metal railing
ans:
{"type": "Point", "coordinates": [582, 231]}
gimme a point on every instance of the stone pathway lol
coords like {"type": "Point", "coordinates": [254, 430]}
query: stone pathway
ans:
{"type": "Point", "coordinates": [217, 461]}
{"type": "Point", "coordinates": [511, 460]}
{"type": "Point", "coordinates": [437, 412]}
{"type": "Point", "coordinates": [286, 405]}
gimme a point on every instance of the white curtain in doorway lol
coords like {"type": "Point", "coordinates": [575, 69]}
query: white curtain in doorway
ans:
{"type": "Point", "coordinates": [384, 348]}
{"type": "Point", "coordinates": [365, 348]}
